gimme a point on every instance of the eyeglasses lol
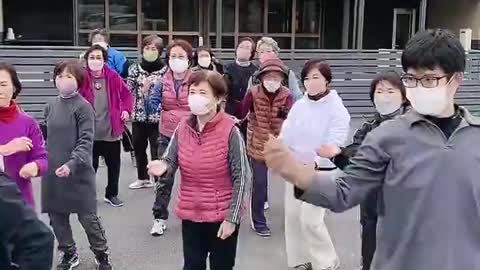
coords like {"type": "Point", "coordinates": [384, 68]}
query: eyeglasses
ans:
{"type": "Point", "coordinates": [427, 82]}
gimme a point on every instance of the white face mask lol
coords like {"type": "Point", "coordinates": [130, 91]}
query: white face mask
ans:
{"type": "Point", "coordinates": [178, 65]}
{"type": "Point", "coordinates": [271, 86]}
{"type": "Point", "coordinates": [204, 62]}
{"type": "Point", "coordinates": [199, 105]}
{"type": "Point", "coordinates": [386, 106]}
{"type": "Point", "coordinates": [428, 101]}
{"type": "Point", "coordinates": [95, 65]}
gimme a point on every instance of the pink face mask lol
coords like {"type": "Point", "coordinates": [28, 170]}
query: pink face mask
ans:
{"type": "Point", "coordinates": [66, 86]}
{"type": "Point", "coordinates": [95, 65]}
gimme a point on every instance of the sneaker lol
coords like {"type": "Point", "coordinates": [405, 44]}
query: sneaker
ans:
{"type": "Point", "coordinates": [114, 201]}
{"type": "Point", "coordinates": [264, 232]}
{"type": "Point", "coordinates": [68, 261]}
{"type": "Point", "coordinates": [141, 184]}
{"type": "Point", "coordinates": [159, 227]}
{"type": "Point", "coordinates": [103, 262]}
{"type": "Point", "coordinates": [266, 206]}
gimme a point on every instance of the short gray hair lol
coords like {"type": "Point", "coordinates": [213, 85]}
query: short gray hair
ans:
{"type": "Point", "coordinates": [270, 42]}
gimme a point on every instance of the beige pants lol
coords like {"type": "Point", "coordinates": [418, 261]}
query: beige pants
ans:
{"type": "Point", "coordinates": [306, 235]}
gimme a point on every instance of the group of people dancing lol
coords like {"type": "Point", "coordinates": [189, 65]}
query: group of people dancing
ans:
{"type": "Point", "coordinates": [228, 130]}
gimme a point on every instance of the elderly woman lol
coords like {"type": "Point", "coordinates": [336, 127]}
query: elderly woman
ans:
{"type": "Point", "coordinates": [203, 58]}
{"type": "Point", "coordinates": [141, 77]}
{"type": "Point", "coordinates": [171, 92]}
{"type": "Point", "coordinates": [267, 106]}
{"type": "Point", "coordinates": [112, 102]}
{"type": "Point", "coordinates": [22, 148]}
{"type": "Point", "coordinates": [208, 149]}
{"type": "Point", "coordinates": [69, 184]}
{"type": "Point", "coordinates": [388, 95]}
{"type": "Point", "coordinates": [320, 118]}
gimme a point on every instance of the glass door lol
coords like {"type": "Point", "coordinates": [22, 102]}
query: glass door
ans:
{"type": "Point", "coordinates": [404, 27]}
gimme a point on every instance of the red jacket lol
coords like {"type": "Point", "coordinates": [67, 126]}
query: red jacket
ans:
{"type": "Point", "coordinates": [206, 187]}
{"type": "Point", "coordinates": [119, 97]}
{"type": "Point", "coordinates": [174, 108]}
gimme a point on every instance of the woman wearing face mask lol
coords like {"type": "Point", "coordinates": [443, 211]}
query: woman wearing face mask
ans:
{"type": "Point", "coordinates": [214, 175]}
{"type": "Point", "coordinates": [69, 184]}
{"type": "Point", "coordinates": [141, 77]}
{"type": "Point", "coordinates": [388, 95]}
{"type": "Point", "coordinates": [267, 106]}
{"type": "Point", "coordinates": [320, 118]}
{"type": "Point", "coordinates": [22, 148]}
{"type": "Point", "coordinates": [237, 74]}
{"type": "Point", "coordinates": [172, 92]}
{"type": "Point", "coordinates": [203, 58]}
{"type": "Point", "coordinates": [112, 102]}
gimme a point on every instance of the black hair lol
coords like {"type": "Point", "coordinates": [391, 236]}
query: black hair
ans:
{"type": "Point", "coordinates": [434, 48]}
{"type": "Point", "coordinates": [394, 79]}
{"type": "Point", "coordinates": [202, 49]}
{"type": "Point", "coordinates": [10, 69]}
{"type": "Point", "coordinates": [253, 50]}
{"type": "Point", "coordinates": [73, 67]}
{"type": "Point", "coordinates": [319, 64]}
{"type": "Point", "coordinates": [96, 47]}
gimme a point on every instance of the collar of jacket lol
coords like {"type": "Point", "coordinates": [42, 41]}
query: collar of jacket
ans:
{"type": "Point", "coordinates": [414, 117]}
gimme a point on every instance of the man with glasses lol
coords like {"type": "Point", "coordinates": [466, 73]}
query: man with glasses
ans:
{"type": "Point", "coordinates": [425, 165]}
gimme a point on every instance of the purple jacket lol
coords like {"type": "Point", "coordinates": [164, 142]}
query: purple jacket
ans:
{"type": "Point", "coordinates": [119, 96]}
{"type": "Point", "coordinates": [24, 126]}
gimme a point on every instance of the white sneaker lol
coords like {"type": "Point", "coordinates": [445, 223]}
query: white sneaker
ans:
{"type": "Point", "coordinates": [141, 184]}
{"type": "Point", "coordinates": [159, 227]}
{"type": "Point", "coordinates": [266, 206]}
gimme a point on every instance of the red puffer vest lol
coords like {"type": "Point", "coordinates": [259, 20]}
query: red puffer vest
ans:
{"type": "Point", "coordinates": [174, 108]}
{"type": "Point", "coordinates": [206, 187]}
{"type": "Point", "coordinates": [264, 120]}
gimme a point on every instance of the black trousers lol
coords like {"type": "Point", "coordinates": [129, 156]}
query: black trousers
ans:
{"type": "Point", "coordinates": [111, 152]}
{"type": "Point", "coordinates": [163, 188]}
{"type": "Point", "coordinates": [200, 242]}
{"type": "Point", "coordinates": [143, 134]}
{"type": "Point", "coordinates": [368, 219]}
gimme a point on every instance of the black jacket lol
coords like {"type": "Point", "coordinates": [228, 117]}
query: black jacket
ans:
{"type": "Point", "coordinates": [24, 239]}
{"type": "Point", "coordinates": [343, 159]}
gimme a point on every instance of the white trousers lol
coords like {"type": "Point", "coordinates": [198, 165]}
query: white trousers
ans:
{"type": "Point", "coordinates": [306, 234]}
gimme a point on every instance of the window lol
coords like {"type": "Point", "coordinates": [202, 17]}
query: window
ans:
{"type": "Point", "coordinates": [185, 15]}
{"type": "Point", "coordinates": [283, 42]}
{"type": "Point", "coordinates": [251, 16]}
{"type": "Point", "coordinates": [120, 40]}
{"type": "Point", "coordinates": [123, 15]}
{"type": "Point", "coordinates": [280, 16]}
{"type": "Point", "coordinates": [228, 9]}
{"type": "Point", "coordinates": [155, 15]}
{"type": "Point", "coordinates": [91, 14]}
{"type": "Point", "coordinates": [306, 43]}
{"type": "Point", "coordinates": [308, 16]}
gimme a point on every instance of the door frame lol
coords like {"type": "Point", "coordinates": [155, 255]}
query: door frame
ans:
{"type": "Point", "coordinates": [413, 25]}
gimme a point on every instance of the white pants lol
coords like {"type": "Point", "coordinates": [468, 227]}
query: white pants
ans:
{"type": "Point", "coordinates": [306, 235]}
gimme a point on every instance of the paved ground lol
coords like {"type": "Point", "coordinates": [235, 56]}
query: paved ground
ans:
{"type": "Point", "coordinates": [133, 248]}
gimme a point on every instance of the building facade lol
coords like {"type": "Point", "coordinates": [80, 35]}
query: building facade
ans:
{"type": "Point", "coordinates": [295, 24]}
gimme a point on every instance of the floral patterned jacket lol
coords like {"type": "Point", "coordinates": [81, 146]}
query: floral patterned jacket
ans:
{"type": "Point", "coordinates": [135, 80]}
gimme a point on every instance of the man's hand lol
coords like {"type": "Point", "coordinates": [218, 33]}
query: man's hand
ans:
{"type": "Point", "coordinates": [226, 230]}
{"type": "Point", "coordinates": [157, 168]}
{"type": "Point", "coordinates": [328, 151]}
{"type": "Point", "coordinates": [63, 171]}
{"type": "Point", "coordinates": [17, 145]}
{"type": "Point", "coordinates": [29, 170]}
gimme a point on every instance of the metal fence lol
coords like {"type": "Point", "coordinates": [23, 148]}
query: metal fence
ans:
{"type": "Point", "coordinates": [352, 72]}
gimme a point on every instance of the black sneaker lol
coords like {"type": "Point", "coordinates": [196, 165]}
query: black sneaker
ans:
{"type": "Point", "coordinates": [263, 232]}
{"type": "Point", "coordinates": [113, 201]}
{"type": "Point", "coordinates": [68, 261]}
{"type": "Point", "coordinates": [103, 262]}
{"type": "Point", "coordinates": [305, 266]}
